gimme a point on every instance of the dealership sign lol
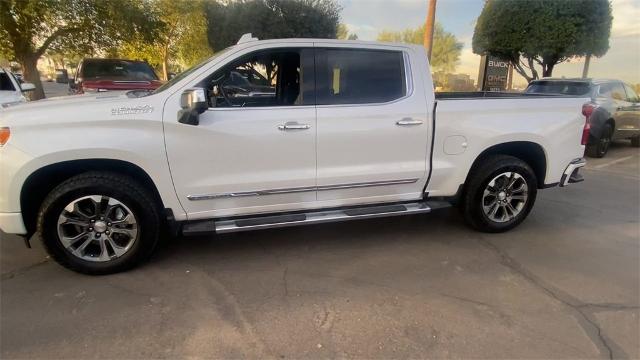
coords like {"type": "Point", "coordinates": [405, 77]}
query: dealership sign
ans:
{"type": "Point", "coordinates": [494, 74]}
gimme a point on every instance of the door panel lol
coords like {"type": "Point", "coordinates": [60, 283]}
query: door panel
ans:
{"type": "Point", "coordinates": [630, 114]}
{"type": "Point", "coordinates": [236, 156]}
{"type": "Point", "coordinates": [254, 150]}
{"type": "Point", "coordinates": [369, 152]}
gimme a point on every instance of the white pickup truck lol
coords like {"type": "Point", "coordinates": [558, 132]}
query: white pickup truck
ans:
{"type": "Point", "coordinates": [276, 133]}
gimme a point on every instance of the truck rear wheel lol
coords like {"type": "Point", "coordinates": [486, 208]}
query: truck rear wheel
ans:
{"type": "Point", "coordinates": [99, 223]}
{"type": "Point", "coordinates": [499, 194]}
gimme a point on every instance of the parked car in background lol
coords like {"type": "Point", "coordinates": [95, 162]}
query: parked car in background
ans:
{"type": "Point", "coordinates": [353, 130]}
{"type": "Point", "coordinates": [11, 89]}
{"type": "Point", "coordinates": [614, 110]}
{"type": "Point", "coordinates": [97, 75]}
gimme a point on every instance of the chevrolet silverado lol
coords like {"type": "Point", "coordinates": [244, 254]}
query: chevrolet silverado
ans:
{"type": "Point", "coordinates": [317, 131]}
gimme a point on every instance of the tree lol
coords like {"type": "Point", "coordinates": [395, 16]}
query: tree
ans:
{"type": "Point", "coordinates": [28, 28]}
{"type": "Point", "coordinates": [343, 33]}
{"type": "Point", "coordinates": [270, 19]}
{"type": "Point", "coordinates": [181, 35]}
{"type": "Point", "coordinates": [527, 33]}
{"type": "Point", "coordinates": [446, 47]}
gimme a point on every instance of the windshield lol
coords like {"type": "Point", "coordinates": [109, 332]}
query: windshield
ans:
{"type": "Point", "coordinates": [118, 69]}
{"type": "Point", "coordinates": [559, 87]}
{"type": "Point", "coordinates": [188, 72]}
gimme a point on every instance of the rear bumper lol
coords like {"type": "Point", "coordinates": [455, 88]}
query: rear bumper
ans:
{"type": "Point", "coordinates": [11, 223]}
{"type": "Point", "coordinates": [572, 172]}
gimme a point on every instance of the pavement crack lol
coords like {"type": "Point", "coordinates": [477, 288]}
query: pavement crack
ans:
{"type": "Point", "coordinates": [598, 307]}
{"type": "Point", "coordinates": [467, 300]}
{"type": "Point", "coordinates": [606, 346]}
{"type": "Point", "coordinates": [285, 284]}
{"type": "Point", "coordinates": [13, 273]}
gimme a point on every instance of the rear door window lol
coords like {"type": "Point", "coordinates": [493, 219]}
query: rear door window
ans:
{"type": "Point", "coordinates": [354, 76]}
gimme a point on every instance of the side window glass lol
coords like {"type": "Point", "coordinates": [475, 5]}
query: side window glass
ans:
{"type": "Point", "coordinates": [5, 82]}
{"type": "Point", "coordinates": [631, 94]}
{"type": "Point", "coordinates": [266, 78]}
{"type": "Point", "coordinates": [361, 76]}
{"type": "Point", "coordinates": [617, 92]}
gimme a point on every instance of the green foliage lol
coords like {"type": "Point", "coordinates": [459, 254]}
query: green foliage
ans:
{"type": "Point", "coordinates": [541, 32]}
{"type": "Point", "coordinates": [34, 26]}
{"type": "Point", "coordinates": [180, 39]}
{"type": "Point", "coordinates": [343, 33]}
{"type": "Point", "coordinates": [446, 49]}
{"type": "Point", "coordinates": [270, 19]}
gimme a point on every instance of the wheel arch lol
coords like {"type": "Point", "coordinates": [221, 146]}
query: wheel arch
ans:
{"type": "Point", "coordinates": [42, 181]}
{"type": "Point", "coordinates": [530, 152]}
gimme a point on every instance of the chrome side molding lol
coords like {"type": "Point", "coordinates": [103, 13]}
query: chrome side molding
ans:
{"type": "Point", "coordinates": [299, 189]}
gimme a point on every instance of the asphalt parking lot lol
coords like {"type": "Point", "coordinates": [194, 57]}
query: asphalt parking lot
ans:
{"type": "Point", "coordinates": [565, 284]}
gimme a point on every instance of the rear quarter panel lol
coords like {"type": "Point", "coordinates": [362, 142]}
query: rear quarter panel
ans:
{"type": "Point", "coordinates": [554, 123]}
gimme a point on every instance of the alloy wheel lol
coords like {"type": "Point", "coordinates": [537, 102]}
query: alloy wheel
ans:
{"type": "Point", "coordinates": [97, 228]}
{"type": "Point", "coordinates": [504, 197]}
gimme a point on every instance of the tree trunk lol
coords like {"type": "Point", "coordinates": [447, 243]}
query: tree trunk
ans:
{"type": "Point", "coordinates": [585, 70]}
{"type": "Point", "coordinates": [547, 70]}
{"type": "Point", "coordinates": [29, 65]}
{"type": "Point", "coordinates": [165, 69]}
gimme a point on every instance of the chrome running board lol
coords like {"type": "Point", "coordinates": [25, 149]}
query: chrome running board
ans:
{"type": "Point", "coordinates": [309, 218]}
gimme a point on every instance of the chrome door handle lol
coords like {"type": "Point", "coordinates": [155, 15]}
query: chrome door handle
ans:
{"type": "Point", "coordinates": [293, 126]}
{"type": "Point", "coordinates": [408, 121]}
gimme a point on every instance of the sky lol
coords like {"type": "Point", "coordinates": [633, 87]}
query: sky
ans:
{"type": "Point", "coordinates": [368, 17]}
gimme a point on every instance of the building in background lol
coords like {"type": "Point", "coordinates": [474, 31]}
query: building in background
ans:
{"type": "Point", "coordinates": [453, 82]}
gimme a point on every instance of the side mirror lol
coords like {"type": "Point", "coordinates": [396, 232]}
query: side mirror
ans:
{"type": "Point", "coordinates": [25, 86]}
{"type": "Point", "coordinates": [193, 103]}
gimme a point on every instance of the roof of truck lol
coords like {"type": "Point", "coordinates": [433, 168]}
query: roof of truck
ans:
{"type": "Point", "coordinates": [247, 38]}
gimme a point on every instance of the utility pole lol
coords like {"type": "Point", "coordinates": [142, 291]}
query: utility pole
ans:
{"type": "Point", "coordinates": [585, 69]}
{"type": "Point", "coordinates": [428, 30]}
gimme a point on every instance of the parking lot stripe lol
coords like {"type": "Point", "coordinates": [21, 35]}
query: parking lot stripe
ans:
{"type": "Point", "coordinates": [612, 162]}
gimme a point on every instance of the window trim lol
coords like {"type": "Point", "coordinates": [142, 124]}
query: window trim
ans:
{"type": "Point", "coordinates": [408, 74]}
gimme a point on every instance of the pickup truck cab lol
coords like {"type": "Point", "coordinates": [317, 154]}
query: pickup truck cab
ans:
{"type": "Point", "coordinates": [339, 130]}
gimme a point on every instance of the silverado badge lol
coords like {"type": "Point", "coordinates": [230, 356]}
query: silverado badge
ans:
{"type": "Point", "coordinates": [132, 110]}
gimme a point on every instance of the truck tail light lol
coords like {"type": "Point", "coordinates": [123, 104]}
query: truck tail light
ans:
{"type": "Point", "coordinates": [587, 110]}
{"type": "Point", "coordinates": [5, 133]}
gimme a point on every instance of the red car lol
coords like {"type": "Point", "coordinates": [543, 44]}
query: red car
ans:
{"type": "Point", "coordinates": [96, 75]}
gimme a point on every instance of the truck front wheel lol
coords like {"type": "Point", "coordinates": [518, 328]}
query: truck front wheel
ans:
{"type": "Point", "coordinates": [499, 194]}
{"type": "Point", "coordinates": [99, 223]}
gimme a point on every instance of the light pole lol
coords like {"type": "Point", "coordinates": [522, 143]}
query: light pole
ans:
{"type": "Point", "coordinates": [428, 29]}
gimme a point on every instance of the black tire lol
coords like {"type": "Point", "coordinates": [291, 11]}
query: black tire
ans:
{"type": "Point", "coordinates": [635, 141]}
{"type": "Point", "coordinates": [601, 147]}
{"type": "Point", "coordinates": [113, 185]}
{"type": "Point", "coordinates": [478, 180]}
